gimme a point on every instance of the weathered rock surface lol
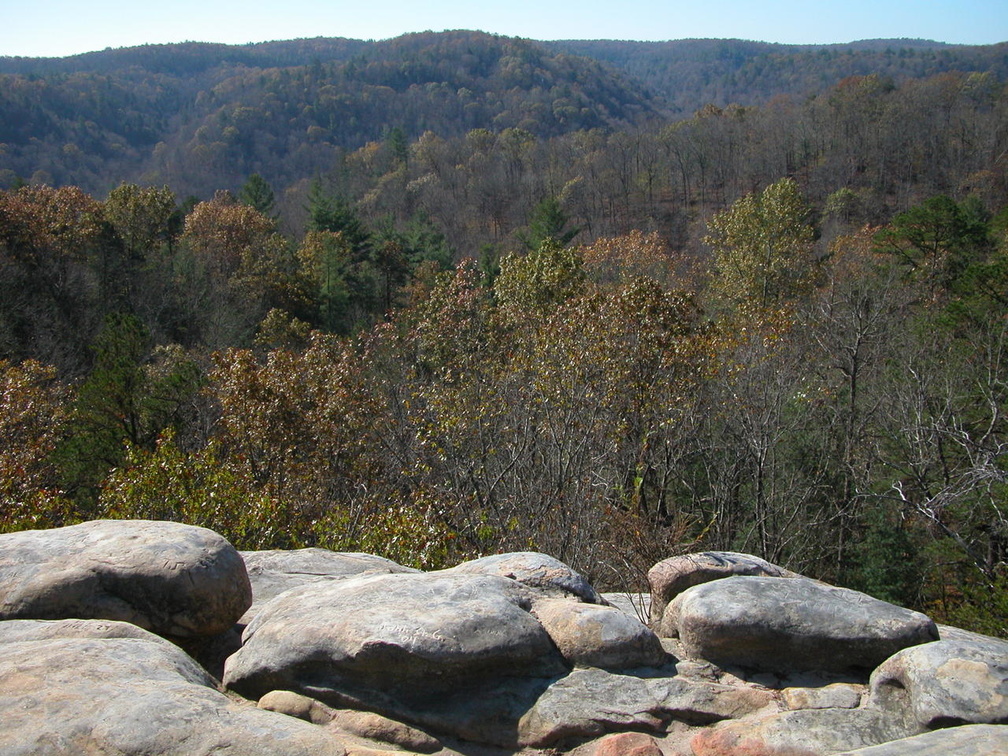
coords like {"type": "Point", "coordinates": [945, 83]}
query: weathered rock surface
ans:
{"type": "Point", "coordinates": [12, 631]}
{"type": "Point", "coordinates": [169, 578]}
{"type": "Point", "coordinates": [635, 604]}
{"type": "Point", "coordinates": [273, 572]}
{"type": "Point", "coordinates": [387, 635]}
{"type": "Point", "coordinates": [813, 732]}
{"type": "Point", "coordinates": [945, 683]}
{"type": "Point", "coordinates": [833, 696]}
{"type": "Point", "coordinates": [353, 654]}
{"type": "Point", "coordinates": [781, 625]}
{"type": "Point", "coordinates": [591, 635]}
{"type": "Point", "coordinates": [543, 573]}
{"type": "Point", "coordinates": [362, 724]}
{"type": "Point", "coordinates": [969, 740]}
{"type": "Point", "coordinates": [627, 744]}
{"type": "Point", "coordinates": [672, 576]}
{"type": "Point", "coordinates": [591, 702]}
{"type": "Point", "coordinates": [103, 688]}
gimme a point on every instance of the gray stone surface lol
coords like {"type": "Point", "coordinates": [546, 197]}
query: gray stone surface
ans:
{"type": "Point", "coordinates": [592, 635]}
{"type": "Point", "coordinates": [782, 625]}
{"type": "Point", "coordinates": [945, 683]}
{"type": "Point", "coordinates": [361, 724]}
{"type": "Point", "coordinates": [165, 577]}
{"type": "Point", "coordinates": [810, 732]}
{"type": "Point", "coordinates": [541, 572]}
{"type": "Point", "coordinates": [273, 572]}
{"type": "Point", "coordinates": [392, 635]}
{"type": "Point", "coordinates": [672, 576]}
{"type": "Point", "coordinates": [12, 631]}
{"type": "Point", "coordinates": [635, 604]}
{"type": "Point", "coordinates": [591, 702]}
{"type": "Point", "coordinates": [968, 740]}
{"type": "Point", "coordinates": [111, 691]}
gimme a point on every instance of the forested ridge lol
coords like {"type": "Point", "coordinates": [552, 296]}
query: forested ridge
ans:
{"type": "Point", "coordinates": [202, 116]}
{"type": "Point", "coordinates": [537, 310]}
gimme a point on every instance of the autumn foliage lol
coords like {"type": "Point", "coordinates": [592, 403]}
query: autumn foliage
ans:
{"type": "Point", "coordinates": [835, 406]}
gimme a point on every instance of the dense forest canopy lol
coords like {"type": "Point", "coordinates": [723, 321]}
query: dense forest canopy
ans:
{"type": "Point", "coordinates": [454, 293]}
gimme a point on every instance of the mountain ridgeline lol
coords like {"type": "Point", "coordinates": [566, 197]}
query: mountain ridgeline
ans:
{"type": "Point", "coordinates": [204, 116]}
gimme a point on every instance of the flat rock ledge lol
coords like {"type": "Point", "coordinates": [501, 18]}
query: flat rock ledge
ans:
{"type": "Point", "coordinates": [321, 653]}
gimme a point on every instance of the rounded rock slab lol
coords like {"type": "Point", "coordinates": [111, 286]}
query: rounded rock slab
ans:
{"type": "Point", "coordinates": [12, 631]}
{"type": "Point", "coordinates": [70, 688]}
{"type": "Point", "coordinates": [949, 682]}
{"type": "Point", "coordinates": [777, 625]}
{"type": "Point", "coordinates": [166, 577]}
{"type": "Point", "coordinates": [967, 740]}
{"type": "Point", "coordinates": [591, 635]}
{"type": "Point", "coordinates": [670, 577]}
{"type": "Point", "coordinates": [627, 744]}
{"type": "Point", "coordinates": [541, 572]}
{"type": "Point", "coordinates": [394, 636]}
{"type": "Point", "coordinates": [274, 571]}
{"type": "Point", "coordinates": [808, 732]}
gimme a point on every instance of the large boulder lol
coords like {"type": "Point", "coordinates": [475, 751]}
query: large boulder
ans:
{"type": "Point", "coordinates": [968, 740]}
{"type": "Point", "coordinates": [166, 577]}
{"type": "Point", "coordinates": [797, 624]}
{"type": "Point", "coordinates": [542, 573]}
{"type": "Point", "coordinates": [392, 637]}
{"type": "Point", "coordinates": [945, 683]}
{"type": "Point", "coordinates": [672, 576]}
{"type": "Point", "coordinates": [101, 687]}
{"type": "Point", "coordinates": [273, 572]}
{"type": "Point", "coordinates": [591, 635]}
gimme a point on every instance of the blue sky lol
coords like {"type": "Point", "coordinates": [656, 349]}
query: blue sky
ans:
{"type": "Point", "coordinates": [65, 27]}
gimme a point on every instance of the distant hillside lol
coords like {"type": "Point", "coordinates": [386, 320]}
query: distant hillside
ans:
{"type": "Point", "coordinates": [188, 58]}
{"type": "Point", "coordinates": [206, 116]}
{"type": "Point", "coordinates": [689, 74]}
{"type": "Point", "coordinates": [203, 116]}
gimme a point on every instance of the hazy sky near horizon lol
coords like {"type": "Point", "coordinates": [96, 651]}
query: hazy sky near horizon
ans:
{"type": "Point", "coordinates": [66, 27]}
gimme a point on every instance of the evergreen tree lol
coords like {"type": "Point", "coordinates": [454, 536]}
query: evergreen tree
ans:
{"type": "Point", "coordinates": [327, 212]}
{"type": "Point", "coordinates": [548, 223]}
{"type": "Point", "coordinates": [257, 193]}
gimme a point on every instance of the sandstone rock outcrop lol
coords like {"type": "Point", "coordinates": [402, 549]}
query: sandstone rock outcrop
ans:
{"type": "Point", "coordinates": [165, 577]}
{"type": "Point", "coordinates": [354, 655]}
